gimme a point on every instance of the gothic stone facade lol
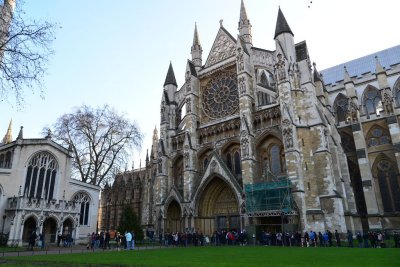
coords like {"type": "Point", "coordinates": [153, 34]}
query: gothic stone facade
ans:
{"type": "Point", "coordinates": [250, 119]}
{"type": "Point", "coordinates": [37, 193]}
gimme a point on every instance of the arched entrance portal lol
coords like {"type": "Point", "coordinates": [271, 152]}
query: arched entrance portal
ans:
{"type": "Point", "coordinates": [29, 227]}
{"type": "Point", "coordinates": [174, 218]}
{"type": "Point", "coordinates": [49, 230]}
{"type": "Point", "coordinates": [218, 208]}
{"type": "Point", "coordinates": [67, 227]}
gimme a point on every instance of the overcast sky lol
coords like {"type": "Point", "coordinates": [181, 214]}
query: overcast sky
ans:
{"type": "Point", "coordinates": [118, 52]}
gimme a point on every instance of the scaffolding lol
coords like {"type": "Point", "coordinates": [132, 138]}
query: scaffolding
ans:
{"type": "Point", "coordinates": [269, 198]}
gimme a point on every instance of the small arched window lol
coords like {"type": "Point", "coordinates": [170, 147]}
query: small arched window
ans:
{"type": "Point", "coordinates": [378, 136]}
{"type": "Point", "coordinates": [388, 184]}
{"type": "Point", "coordinates": [83, 200]}
{"type": "Point", "coordinates": [41, 176]}
{"type": "Point", "coordinates": [372, 101]}
{"type": "Point", "coordinates": [264, 79]}
{"type": "Point", "coordinates": [238, 169]}
{"type": "Point", "coordinates": [341, 103]}
{"type": "Point", "coordinates": [396, 92]}
{"type": "Point", "coordinates": [229, 161]}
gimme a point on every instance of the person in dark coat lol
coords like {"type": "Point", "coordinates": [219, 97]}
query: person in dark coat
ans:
{"type": "Point", "coordinates": [337, 237]}
{"type": "Point", "coordinates": [32, 240]}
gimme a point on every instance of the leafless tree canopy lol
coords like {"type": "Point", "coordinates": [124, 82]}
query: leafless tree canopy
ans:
{"type": "Point", "coordinates": [25, 47]}
{"type": "Point", "coordinates": [100, 140]}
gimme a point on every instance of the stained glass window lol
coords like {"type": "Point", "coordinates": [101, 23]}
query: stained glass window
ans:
{"type": "Point", "coordinates": [83, 200]}
{"type": "Point", "coordinates": [220, 95]}
{"type": "Point", "coordinates": [40, 176]}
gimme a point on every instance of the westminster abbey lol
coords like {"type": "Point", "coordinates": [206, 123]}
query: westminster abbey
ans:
{"type": "Point", "coordinates": [260, 139]}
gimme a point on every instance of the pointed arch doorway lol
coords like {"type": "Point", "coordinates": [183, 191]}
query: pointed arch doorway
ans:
{"type": "Point", "coordinates": [174, 218]}
{"type": "Point", "coordinates": [218, 208]}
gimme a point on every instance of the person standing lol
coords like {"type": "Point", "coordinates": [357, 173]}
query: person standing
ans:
{"type": "Point", "coordinates": [133, 240]}
{"type": "Point", "coordinates": [337, 237]}
{"type": "Point", "coordinates": [41, 238]}
{"type": "Point", "coordinates": [359, 239]}
{"type": "Point", "coordinates": [350, 238]}
{"type": "Point", "coordinates": [128, 238]}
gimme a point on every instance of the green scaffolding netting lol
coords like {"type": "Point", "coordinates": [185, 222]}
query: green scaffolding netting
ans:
{"type": "Point", "coordinates": [269, 196]}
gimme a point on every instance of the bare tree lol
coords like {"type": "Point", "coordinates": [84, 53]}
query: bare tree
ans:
{"type": "Point", "coordinates": [100, 140]}
{"type": "Point", "coordinates": [25, 47]}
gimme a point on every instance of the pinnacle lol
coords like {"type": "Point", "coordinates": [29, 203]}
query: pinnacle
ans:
{"type": "Point", "coordinates": [281, 25]}
{"type": "Point", "coordinates": [170, 79]}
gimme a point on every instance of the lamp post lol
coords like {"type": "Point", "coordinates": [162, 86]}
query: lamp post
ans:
{"type": "Point", "coordinates": [4, 219]}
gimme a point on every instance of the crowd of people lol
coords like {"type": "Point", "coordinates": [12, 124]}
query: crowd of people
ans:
{"type": "Point", "coordinates": [102, 240]}
{"type": "Point", "coordinates": [371, 239]}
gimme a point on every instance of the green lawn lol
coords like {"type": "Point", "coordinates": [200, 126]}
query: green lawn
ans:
{"type": "Point", "coordinates": [222, 256]}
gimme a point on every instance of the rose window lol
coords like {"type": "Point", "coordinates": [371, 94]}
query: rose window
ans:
{"type": "Point", "coordinates": [220, 96]}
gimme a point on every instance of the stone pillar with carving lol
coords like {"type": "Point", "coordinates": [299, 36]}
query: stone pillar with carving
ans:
{"type": "Point", "coordinates": [245, 72]}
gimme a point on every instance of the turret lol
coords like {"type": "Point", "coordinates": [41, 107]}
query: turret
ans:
{"type": "Point", "coordinates": [244, 25]}
{"type": "Point", "coordinates": [170, 84]}
{"type": "Point", "coordinates": [196, 50]}
{"type": "Point", "coordinates": [284, 38]}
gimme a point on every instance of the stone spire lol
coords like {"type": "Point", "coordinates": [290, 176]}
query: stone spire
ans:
{"type": "Point", "coordinates": [8, 136]}
{"type": "Point", "coordinates": [21, 133]}
{"type": "Point", "coordinates": [6, 15]}
{"type": "Point", "coordinates": [244, 25]}
{"type": "Point", "coordinates": [196, 50]}
{"type": "Point", "coordinates": [317, 77]}
{"type": "Point", "coordinates": [147, 157]}
{"type": "Point", "coordinates": [281, 25]}
{"type": "Point", "coordinates": [170, 79]}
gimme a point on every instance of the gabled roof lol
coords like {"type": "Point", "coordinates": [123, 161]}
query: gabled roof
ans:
{"type": "Point", "coordinates": [224, 47]}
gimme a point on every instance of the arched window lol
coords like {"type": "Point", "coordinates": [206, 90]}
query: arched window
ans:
{"type": "Point", "coordinates": [341, 103]}
{"type": "Point", "coordinates": [271, 160]}
{"type": "Point", "coordinates": [372, 101]}
{"type": "Point", "coordinates": [238, 169]}
{"type": "Point", "coordinates": [276, 166]}
{"type": "Point", "coordinates": [178, 173]}
{"type": "Point", "coordinates": [264, 79]}
{"type": "Point", "coordinates": [396, 92]}
{"type": "Point", "coordinates": [83, 200]}
{"type": "Point", "coordinates": [41, 176]}
{"type": "Point", "coordinates": [232, 156]}
{"type": "Point", "coordinates": [388, 184]}
{"type": "Point", "coordinates": [378, 136]}
{"type": "Point", "coordinates": [229, 161]}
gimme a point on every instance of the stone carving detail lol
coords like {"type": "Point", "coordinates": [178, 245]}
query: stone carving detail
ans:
{"type": "Point", "coordinates": [263, 58]}
{"type": "Point", "coordinates": [240, 60]}
{"type": "Point", "coordinates": [224, 47]}
{"type": "Point", "coordinates": [387, 101]}
{"type": "Point", "coordinates": [188, 105]}
{"type": "Point", "coordinates": [162, 111]}
{"type": "Point", "coordinates": [280, 69]}
{"type": "Point", "coordinates": [288, 137]}
{"type": "Point", "coordinates": [352, 112]}
{"type": "Point", "coordinates": [159, 162]}
{"type": "Point", "coordinates": [324, 138]}
{"type": "Point", "coordinates": [213, 166]}
{"type": "Point", "coordinates": [186, 157]}
{"type": "Point", "coordinates": [188, 81]}
{"type": "Point", "coordinates": [295, 77]}
{"type": "Point", "coordinates": [242, 85]}
{"type": "Point", "coordinates": [245, 146]}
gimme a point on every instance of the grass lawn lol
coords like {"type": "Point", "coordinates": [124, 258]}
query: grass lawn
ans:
{"type": "Point", "coordinates": [221, 256]}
